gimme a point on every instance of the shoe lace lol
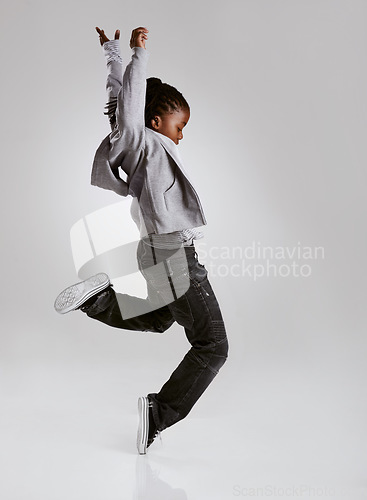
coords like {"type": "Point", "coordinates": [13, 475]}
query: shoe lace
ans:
{"type": "Point", "coordinates": [157, 432]}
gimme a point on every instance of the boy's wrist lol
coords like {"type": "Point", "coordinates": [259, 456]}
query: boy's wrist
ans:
{"type": "Point", "coordinates": [111, 51]}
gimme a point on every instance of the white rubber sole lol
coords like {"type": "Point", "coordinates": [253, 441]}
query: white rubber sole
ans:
{"type": "Point", "coordinates": [143, 426]}
{"type": "Point", "coordinates": [75, 295]}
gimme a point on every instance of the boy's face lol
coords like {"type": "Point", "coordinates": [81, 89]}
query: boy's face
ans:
{"type": "Point", "coordinates": [171, 124]}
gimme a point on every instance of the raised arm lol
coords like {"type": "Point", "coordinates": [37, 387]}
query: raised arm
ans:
{"type": "Point", "coordinates": [126, 95]}
{"type": "Point", "coordinates": [111, 49]}
{"type": "Point", "coordinates": [131, 97]}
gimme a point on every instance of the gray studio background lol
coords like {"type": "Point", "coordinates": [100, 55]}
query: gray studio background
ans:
{"type": "Point", "coordinates": [276, 149]}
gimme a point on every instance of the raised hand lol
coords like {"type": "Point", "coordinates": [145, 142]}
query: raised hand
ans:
{"type": "Point", "coordinates": [138, 37]}
{"type": "Point", "coordinates": [103, 38]}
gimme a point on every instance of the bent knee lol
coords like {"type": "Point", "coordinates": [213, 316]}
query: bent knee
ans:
{"type": "Point", "coordinates": [220, 355]}
{"type": "Point", "coordinates": [221, 339]}
{"type": "Point", "coordinates": [222, 346]}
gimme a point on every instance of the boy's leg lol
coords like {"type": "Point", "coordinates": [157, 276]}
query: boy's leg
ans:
{"type": "Point", "coordinates": [96, 297]}
{"type": "Point", "coordinates": [199, 313]}
{"type": "Point", "coordinates": [128, 312]}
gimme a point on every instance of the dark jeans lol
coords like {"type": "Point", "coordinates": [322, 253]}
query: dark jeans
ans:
{"type": "Point", "coordinates": [186, 297]}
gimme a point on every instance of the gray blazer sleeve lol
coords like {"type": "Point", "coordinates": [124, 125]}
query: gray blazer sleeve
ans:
{"type": "Point", "coordinates": [126, 142]}
{"type": "Point", "coordinates": [114, 61]}
{"type": "Point", "coordinates": [131, 101]}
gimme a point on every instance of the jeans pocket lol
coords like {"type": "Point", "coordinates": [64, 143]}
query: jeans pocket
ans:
{"type": "Point", "coordinates": [198, 273]}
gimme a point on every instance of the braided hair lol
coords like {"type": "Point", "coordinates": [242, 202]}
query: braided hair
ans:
{"type": "Point", "coordinates": [160, 98]}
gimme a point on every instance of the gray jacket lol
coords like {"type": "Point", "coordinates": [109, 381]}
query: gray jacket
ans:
{"type": "Point", "coordinates": [155, 174]}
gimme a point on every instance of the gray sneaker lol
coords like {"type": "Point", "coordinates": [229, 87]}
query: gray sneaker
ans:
{"type": "Point", "coordinates": [147, 431]}
{"type": "Point", "coordinates": [75, 295]}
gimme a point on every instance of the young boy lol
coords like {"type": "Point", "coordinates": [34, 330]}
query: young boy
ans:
{"type": "Point", "coordinates": [147, 118]}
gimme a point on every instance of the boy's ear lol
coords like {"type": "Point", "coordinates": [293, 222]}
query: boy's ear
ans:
{"type": "Point", "coordinates": [156, 122]}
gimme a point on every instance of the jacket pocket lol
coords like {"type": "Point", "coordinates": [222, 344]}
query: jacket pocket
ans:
{"type": "Point", "coordinates": [173, 195]}
{"type": "Point", "coordinates": [173, 183]}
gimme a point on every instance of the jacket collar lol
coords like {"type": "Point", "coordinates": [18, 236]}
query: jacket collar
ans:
{"type": "Point", "coordinates": [171, 149]}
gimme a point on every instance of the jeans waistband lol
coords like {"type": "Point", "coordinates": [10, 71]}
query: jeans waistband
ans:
{"type": "Point", "coordinates": [160, 253]}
